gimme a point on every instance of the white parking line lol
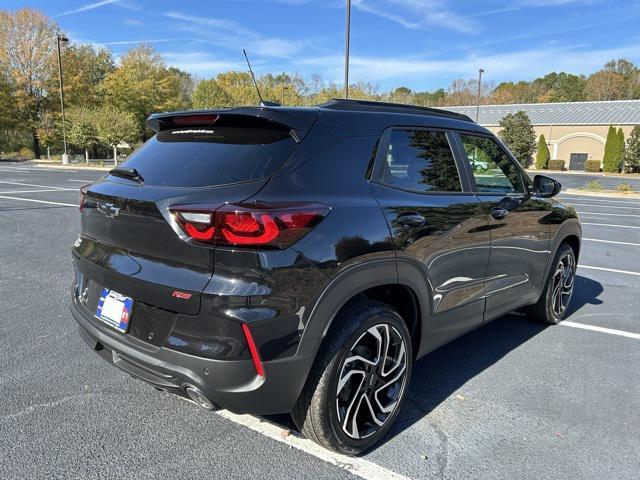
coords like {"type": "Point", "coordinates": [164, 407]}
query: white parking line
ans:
{"type": "Point", "coordinates": [611, 241]}
{"type": "Point", "coordinates": [596, 199]}
{"type": "Point", "coordinates": [40, 201]}
{"type": "Point", "coordinates": [609, 225]}
{"type": "Point", "coordinates": [611, 331]}
{"type": "Point", "coordinates": [603, 206]}
{"type": "Point", "coordinates": [626, 272]}
{"type": "Point", "coordinates": [34, 191]}
{"type": "Point", "coordinates": [357, 466]}
{"type": "Point", "coordinates": [81, 181]}
{"type": "Point", "coordinates": [36, 185]}
{"type": "Point", "coordinates": [597, 214]}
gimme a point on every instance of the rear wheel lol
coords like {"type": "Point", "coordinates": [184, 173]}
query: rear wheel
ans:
{"type": "Point", "coordinates": [554, 301]}
{"type": "Point", "coordinates": [358, 381]}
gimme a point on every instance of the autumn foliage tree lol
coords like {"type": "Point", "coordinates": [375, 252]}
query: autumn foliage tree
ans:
{"type": "Point", "coordinates": [27, 62]}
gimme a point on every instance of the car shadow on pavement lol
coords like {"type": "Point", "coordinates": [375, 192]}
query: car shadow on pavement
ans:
{"type": "Point", "coordinates": [444, 371]}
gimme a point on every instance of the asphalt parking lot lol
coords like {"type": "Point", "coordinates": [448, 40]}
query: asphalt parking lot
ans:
{"type": "Point", "coordinates": [511, 400]}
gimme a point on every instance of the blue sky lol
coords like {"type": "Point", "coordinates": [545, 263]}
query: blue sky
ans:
{"type": "Point", "coordinates": [421, 44]}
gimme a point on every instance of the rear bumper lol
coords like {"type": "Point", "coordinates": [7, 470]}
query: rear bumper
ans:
{"type": "Point", "coordinates": [230, 384]}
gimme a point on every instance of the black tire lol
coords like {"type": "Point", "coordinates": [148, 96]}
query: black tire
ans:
{"type": "Point", "coordinates": [545, 310]}
{"type": "Point", "coordinates": [317, 411]}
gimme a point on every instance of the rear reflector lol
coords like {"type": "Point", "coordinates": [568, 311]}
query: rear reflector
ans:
{"type": "Point", "coordinates": [255, 355]}
{"type": "Point", "coordinates": [83, 194]}
{"type": "Point", "coordinates": [265, 225]}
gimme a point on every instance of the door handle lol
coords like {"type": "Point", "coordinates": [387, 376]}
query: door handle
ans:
{"type": "Point", "coordinates": [499, 213]}
{"type": "Point", "coordinates": [411, 219]}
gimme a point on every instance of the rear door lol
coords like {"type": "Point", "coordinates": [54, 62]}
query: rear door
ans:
{"type": "Point", "coordinates": [437, 223]}
{"type": "Point", "coordinates": [129, 241]}
{"type": "Point", "coordinates": [519, 232]}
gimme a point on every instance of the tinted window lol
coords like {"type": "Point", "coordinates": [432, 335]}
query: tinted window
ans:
{"type": "Point", "coordinates": [421, 160]}
{"type": "Point", "coordinates": [203, 156]}
{"type": "Point", "coordinates": [493, 169]}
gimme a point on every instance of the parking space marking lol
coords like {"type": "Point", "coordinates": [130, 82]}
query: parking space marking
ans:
{"type": "Point", "coordinates": [611, 241]}
{"type": "Point", "coordinates": [36, 185]}
{"type": "Point", "coordinates": [611, 331]}
{"type": "Point", "coordinates": [40, 201]}
{"type": "Point", "coordinates": [81, 181]}
{"type": "Point", "coordinates": [35, 191]}
{"type": "Point", "coordinates": [603, 206]}
{"type": "Point", "coordinates": [613, 270]}
{"type": "Point", "coordinates": [587, 198]}
{"type": "Point", "coordinates": [609, 225]}
{"type": "Point", "coordinates": [356, 465]}
{"type": "Point", "coordinates": [597, 214]}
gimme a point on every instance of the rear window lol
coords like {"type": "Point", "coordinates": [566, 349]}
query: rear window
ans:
{"type": "Point", "coordinates": [205, 156]}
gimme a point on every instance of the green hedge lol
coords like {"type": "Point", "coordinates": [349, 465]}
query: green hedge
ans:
{"type": "Point", "coordinates": [556, 165]}
{"type": "Point", "coordinates": [592, 166]}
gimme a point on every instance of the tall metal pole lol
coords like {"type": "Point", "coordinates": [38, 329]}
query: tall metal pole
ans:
{"type": "Point", "coordinates": [480, 72]}
{"type": "Point", "coordinates": [346, 51]}
{"type": "Point", "coordinates": [65, 156]}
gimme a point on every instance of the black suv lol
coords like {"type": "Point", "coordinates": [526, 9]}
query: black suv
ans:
{"type": "Point", "coordinates": [270, 259]}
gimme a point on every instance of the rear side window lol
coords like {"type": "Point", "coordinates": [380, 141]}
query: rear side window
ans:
{"type": "Point", "coordinates": [206, 156]}
{"type": "Point", "coordinates": [422, 161]}
{"type": "Point", "coordinates": [493, 169]}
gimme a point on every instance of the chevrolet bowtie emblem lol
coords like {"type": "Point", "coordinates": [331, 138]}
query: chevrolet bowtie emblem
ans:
{"type": "Point", "coordinates": [109, 209]}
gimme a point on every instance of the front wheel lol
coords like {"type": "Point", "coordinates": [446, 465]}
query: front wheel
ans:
{"type": "Point", "coordinates": [359, 379]}
{"type": "Point", "coordinates": [554, 301]}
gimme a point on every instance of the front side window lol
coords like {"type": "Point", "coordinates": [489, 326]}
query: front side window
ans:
{"type": "Point", "coordinates": [493, 169]}
{"type": "Point", "coordinates": [422, 161]}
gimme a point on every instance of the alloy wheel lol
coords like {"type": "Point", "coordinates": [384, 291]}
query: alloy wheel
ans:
{"type": "Point", "coordinates": [562, 287]}
{"type": "Point", "coordinates": [371, 381]}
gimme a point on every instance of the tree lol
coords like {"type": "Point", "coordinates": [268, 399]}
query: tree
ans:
{"type": "Point", "coordinates": [114, 126]}
{"type": "Point", "coordinates": [542, 155]}
{"type": "Point", "coordinates": [83, 131]}
{"type": "Point", "coordinates": [27, 45]}
{"type": "Point", "coordinates": [605, 85]}
{"type": "Point", "coordinates": [85, 68]}
{"type": "Point", "coordinates": [620, 148]}
{"type": "Point", "coordinates": [632, 156]}
{"type": "Point", "coordinates": [610, 158]}
{"type": "Point", "coordinates": [518, 134]}
{"type": "Point", "coordinates": [208, 94]}
{"type": "Point", "coordinates": [142, 84]}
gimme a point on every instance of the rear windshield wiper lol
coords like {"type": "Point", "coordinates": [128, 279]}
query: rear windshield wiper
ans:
{"type": "Point", "coordinates": [130, 173]}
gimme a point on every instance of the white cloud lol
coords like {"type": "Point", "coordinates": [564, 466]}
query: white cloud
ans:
{"type": "Point", "coordinates": [525, 64]}
{"type": "Point", "coordinates": [199, 63]}
{"type": "Point", "coordinates": [418, 14]}
{"type": "Point", "coordinates": [130, 22]}
{"type": "Point", "coordinates": [92, 6]}
{"type": "Point", "coordinates": [234, 36]}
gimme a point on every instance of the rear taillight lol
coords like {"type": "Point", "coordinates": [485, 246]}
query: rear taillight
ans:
{"type": "Point", "coordinates": [266, 225]}
{"type": "Point", "coordinates": [83, 195]}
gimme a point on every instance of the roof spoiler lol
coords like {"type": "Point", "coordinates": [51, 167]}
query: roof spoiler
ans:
{"type": "Point", "coordinates": [299, 122]}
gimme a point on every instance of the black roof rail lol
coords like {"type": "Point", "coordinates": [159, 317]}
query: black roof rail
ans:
{"type": "Point", "coordinates": [368, 105]}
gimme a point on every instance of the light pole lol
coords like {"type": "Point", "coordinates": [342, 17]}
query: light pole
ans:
{"type": "Point", "coordinates": [480, 72]}
{"type": "Point", "coordinates": [284, 87]}
{"type": "Point", "coordinates": [65, 156]}
{"type": "Point", "coordinates": [346, 50]}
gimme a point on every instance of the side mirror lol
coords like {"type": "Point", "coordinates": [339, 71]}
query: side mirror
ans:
{"type": "Point", "coordinates": [545, 187]}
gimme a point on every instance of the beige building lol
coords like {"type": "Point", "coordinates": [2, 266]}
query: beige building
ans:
{"type": "Point", "coordinates": [575, 131]}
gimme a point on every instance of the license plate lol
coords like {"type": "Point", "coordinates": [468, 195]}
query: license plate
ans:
{"type": "Point", "coordinates": [114, 309]}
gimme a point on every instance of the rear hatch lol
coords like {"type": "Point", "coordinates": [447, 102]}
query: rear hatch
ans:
{"type": "Point", "coordinates": [128, 241]}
